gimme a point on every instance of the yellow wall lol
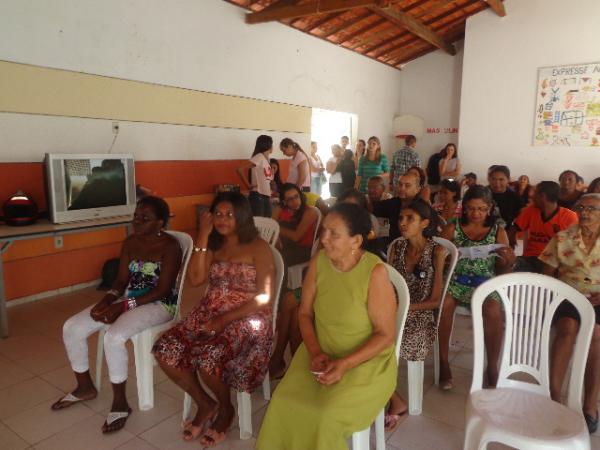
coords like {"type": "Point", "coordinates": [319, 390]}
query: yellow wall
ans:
{"type": "Point", "coordinates": [40, 90]}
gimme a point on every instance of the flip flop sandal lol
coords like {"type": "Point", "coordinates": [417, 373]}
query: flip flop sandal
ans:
{"type": "Point", "coordinates": [192, 432]}
{"type": "Point", "coordinates": [446, 385]}
{"type": "Point", "coordinates": [68, 400]}
{"type": "Point", "coordinates": [212, 437]}
{"type": "Point", "coordinates": [113, 417]}
{"type": "Point", "coordinates": [591, 423]}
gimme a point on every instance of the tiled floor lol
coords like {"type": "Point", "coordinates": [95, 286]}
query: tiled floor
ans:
{"type": "Point", "coordinates": [34, 372]}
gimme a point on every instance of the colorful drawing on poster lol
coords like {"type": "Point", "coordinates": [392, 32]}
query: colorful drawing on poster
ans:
{"type": "Point", "coordinates": [568, 106]}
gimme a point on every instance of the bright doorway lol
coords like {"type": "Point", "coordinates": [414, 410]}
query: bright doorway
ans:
{"type": "Point", "coordinates": [327, 127]}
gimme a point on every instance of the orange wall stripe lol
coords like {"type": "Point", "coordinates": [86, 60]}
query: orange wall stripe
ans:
{"type": "Point", "coordinates": [32, 276]}
{"type": "Point", "coordinates": [165, 178]}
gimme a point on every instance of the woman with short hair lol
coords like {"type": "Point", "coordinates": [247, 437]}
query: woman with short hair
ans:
{"type": "Point", "coordinates": [344, 372]}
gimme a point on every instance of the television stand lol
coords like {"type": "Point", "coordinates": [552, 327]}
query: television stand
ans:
{"type": "Point", "coordinates": [44, 228]}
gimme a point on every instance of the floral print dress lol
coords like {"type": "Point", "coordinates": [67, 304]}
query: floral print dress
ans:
{"type": "Point", "coordinates": [240, 354]}
{"type": "Point", "coordinates": [143, 277]}
{"type": "Point", "coordinates": [420, 328]}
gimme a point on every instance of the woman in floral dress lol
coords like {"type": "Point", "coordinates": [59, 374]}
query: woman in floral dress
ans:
{"type": "Point", "coordinates": [227, 337]}
{"type": "Point", "coordinates": [420, 261]}
{"type": "Point", "coordinates": [477, 227]}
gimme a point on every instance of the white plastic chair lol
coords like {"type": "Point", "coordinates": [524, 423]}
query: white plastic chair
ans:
{"type": "Point", "coordinates": [244, 404]}
{"type": "Point", "coordinates": [360, 439]}
{"type": "Point", "coordinates": [143, 341]}
{"type": "Point", "coordinates": [416, 369]}
{"type": "Point", "coordinates": [295, 272]}
{"type": "Point", "coordinates": [268, 229]}
{"type": "Point", "coordinates": [518, 413]}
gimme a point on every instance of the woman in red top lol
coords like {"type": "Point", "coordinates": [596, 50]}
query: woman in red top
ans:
{"type": "Point", "coordinates": [297, 221]}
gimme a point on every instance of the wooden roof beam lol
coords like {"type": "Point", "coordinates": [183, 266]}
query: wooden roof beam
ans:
{"type": "Point", "coordinates": [497, 6]}
{"type": "Point", "coordinates": [279, 11]}
{"type": "Point", "coordinates": [346, 24]}
{"type": "Point", "coordinates": [416, 27]}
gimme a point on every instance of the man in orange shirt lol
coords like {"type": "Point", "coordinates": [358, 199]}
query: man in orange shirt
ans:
{"type": "Point", "coordinates": [541, 221]}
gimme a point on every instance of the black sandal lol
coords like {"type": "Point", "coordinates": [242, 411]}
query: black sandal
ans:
{"type": "Point", "coordinates": [591, 423]}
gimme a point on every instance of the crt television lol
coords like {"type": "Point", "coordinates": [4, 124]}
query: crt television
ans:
{"type": "Point", "coordinates": [90, 186]}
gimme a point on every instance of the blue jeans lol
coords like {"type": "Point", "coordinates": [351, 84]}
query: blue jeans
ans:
{"type": "Point", "coordinates": [315, 185]}
{"type": "Point", "coordinates": [260, 204]}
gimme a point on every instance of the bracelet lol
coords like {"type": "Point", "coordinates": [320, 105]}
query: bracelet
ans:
{"type": "Point", "coordinates": [129, 304]}
{"type": "Point", "coordinates": [113, 292]}
{"type": "Point", "coordinates": [200, 249]}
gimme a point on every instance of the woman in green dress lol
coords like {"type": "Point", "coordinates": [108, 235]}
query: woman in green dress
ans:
{"type": "Point", "coordinates": [477, 227]}
{"type": "Point", "coordinates": [345, 371]}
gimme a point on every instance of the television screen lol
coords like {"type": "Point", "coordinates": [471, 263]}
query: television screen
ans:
{"type": "Point", "coordinates": [94, 183]}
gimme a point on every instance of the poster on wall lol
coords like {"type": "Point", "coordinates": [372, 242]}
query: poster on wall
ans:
{"type": "Point", "coordinates": [568, 106]}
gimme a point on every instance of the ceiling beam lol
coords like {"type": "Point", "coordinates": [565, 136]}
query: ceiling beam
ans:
{"type": "Point", "coordinates": [364, 29]}
{"type": "Point", "coordinates": [497, 6]}
{"type": "Point", "coordinates": [349, 23]}
{"type": "Point", "coordinates": [278, 11]}
{"type": "Point", "coordinates": [416, 27]}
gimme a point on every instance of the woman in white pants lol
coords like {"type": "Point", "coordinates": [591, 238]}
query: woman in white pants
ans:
{"type": "Point", "coordinates": [142, 296]}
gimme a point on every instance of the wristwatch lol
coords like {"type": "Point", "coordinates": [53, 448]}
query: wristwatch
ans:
{"type": "Point", "coordinates": [200, 249]}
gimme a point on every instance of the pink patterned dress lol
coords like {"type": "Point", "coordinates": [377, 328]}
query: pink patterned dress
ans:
{"type": "Point", "coordinates": [240, 354]}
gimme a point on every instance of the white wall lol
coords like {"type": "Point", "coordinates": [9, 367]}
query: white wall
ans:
{"type": "Point", "coordinates": [501, 58]}
{"type": "Point", "coordinates": [197, 44]}
{"type": "Point", "coordinates": [431, 90]}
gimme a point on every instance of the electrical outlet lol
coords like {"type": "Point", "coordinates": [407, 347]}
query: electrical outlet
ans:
{"type": "Point", "coordinates": [58, 242]}
{"type": "Point", "coordinates": [115, 127]}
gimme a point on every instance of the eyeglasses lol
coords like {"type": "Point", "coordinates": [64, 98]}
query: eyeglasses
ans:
{"type": "Point", "coordinates": [221, 215]}
{"type": "Point", "coordinates": [588, 208]}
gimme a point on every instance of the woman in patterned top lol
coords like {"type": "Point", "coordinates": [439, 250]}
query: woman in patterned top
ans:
{"type": "Point", "coordinates": [142, 296]}
{"type": "Point", "coordinates": [476, 228]}
{"type": "Point", "coordinates": [420, 261]}
{"type": "Point", "coordinates": [227, 337]}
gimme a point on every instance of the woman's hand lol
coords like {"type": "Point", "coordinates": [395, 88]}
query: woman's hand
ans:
{"type": "Point", "coordinates": [206, 224]}
{"type": "Point", "coordinates": [507, 257]}
{"type": "Point", "coordinates": [333, 373]}
{"type": "Point", "coordinates": [213, 327]}
{"type": "Point", "coordinates": [97, 312]}
{"type": "Point", "coordinates": [320, 363]}
{"type": "Point", "coordinates": [109, 314]}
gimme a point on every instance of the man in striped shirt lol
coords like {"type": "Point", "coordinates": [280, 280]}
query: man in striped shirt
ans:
{"type": "Point", "coordinates": [404, 159]}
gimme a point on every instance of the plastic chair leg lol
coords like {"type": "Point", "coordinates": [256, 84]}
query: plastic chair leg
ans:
{"type": "Point", "coordinates": [187, 406]}
{"type": "Point", "coordinates": [436, 362]}
{"type": "Point", "coordinates": [474, 436]}
{"type": "Point", "coordinates": [100, 359]}
{"type": "Point", "coordinates": [244, 415]}
{"type": "Point", "coordinates": [142, 344]}
{"type": "Point", "coordinates": [266, 387]}
{"type": "Point", "coordinates": [380, 431]}
{"type": "Point", "coordinates": [360, 440]}
{"type": "Point", "coordinates": [416, 370]}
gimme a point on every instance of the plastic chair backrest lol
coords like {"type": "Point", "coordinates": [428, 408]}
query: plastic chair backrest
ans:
{"type": "Point", "coordinates": [530, 301]}
{"type": "Point", "coordinates": [279, 272]}
{"type": "Point", "coordinates": [452, 251]}
{"type": "Point", "coordinates": [315, 245]}
{"type": "Point", "coordinates": [268, 229]}
{"type": "Point", "coordinates": [403, 303]}
{"type": "Point", "coordinates": [186, 243]}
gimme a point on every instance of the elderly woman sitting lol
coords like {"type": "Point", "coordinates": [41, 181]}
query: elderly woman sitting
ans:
{"type": "Point", "coordinates": [573, 256]}
{"type": "Point", "coordinates": [345, 371]}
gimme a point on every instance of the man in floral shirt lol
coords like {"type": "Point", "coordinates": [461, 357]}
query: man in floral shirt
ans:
{"type": "Point", "coordinates": [573, 256]}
